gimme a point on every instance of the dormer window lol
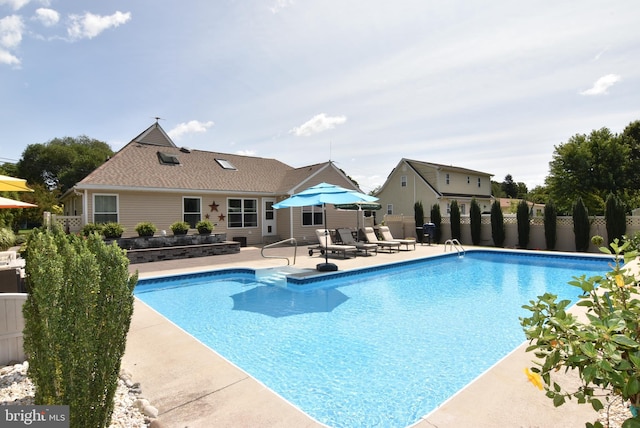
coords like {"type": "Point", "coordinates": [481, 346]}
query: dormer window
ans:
{"type": "Point", "coordinates": [225, 164]}
{"type": "Point", "coordinates": [168, 159]}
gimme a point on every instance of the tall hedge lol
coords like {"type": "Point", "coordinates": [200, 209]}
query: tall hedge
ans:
{"type": "Point", "coordinates": [581, 225]}
{"type": "Point", "coordinates": [475, 216]}
{"type": "Point", "coordinates": [550, 225]}
{"type": "Point", "coordinates": [454, 217]}
{"type": "Point", "coordinates": [497, 224]}
{"type": "Point", "coordinates": [615, 217]}
{"type": "Point", "coordinates": [524, 225]}
{"type": "Point", "coordinates": [77, 316]}
{"type": "Point", "coordinates": [436, 218]}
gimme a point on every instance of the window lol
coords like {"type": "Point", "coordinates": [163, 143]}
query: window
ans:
{"type": "Point", "coordinates": [403, 181]}
{"type": "Point", "coordinates": [389, 209]}
{"type": "Point", "coordinates": [468, 179]}
{"type": "Point", "coordinates": [447, 178]}
{"type": "Point", "coordinates": [312, 215]}
{"type": "Point", "coordinates": [463, 209]}
{"type": "Point", "coordinates": [191, 211]}
{"type": "Point", "coordinates": [448, 208]}
{"type": "Point", "coordinates": [225, 164]}
{"type": "Point", "coordinates": [479, 182]}
{"type": "Point", "coordinates": [105, 208]}
{"type": "Point", "coordinates": [242, 213]}
{"type": "Point", "coordinates": [268, 211]}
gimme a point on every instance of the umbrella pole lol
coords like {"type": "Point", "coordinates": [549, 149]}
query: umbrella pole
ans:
{"type": "Point", "coordinates": [326, 266]}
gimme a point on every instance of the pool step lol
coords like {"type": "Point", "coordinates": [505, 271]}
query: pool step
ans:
{"type": "Point", "coordinates": [276, 275]}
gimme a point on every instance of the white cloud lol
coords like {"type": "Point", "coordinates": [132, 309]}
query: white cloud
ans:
{"type": "Point", "coordinates": [47, 17]}
{"type": "Point", "coordinates": [88, 26]}
{"type": "Point", "coordinates": [602, 85]}
{"type": "Point", "coordinates": [11, 28]}
{"type": "Point", "coordinates": [280, 4]}
{"type": "Point", "coordinates": [7, 58]}
{"type": "Point", "coordinates": [15, 4]}
{"type": "Point", "coordinates": [246, 152]}
{"type": "Point", "coordinates": [319, 123]}
{"type": "Point", "coordinates": [191, 127]}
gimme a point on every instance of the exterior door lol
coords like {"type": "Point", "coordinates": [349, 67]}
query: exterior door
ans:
{"type": "Point", "coordinates": [268, 217]}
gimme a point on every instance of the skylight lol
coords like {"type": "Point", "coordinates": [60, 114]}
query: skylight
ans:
{"type": "Point", "coordinates": [168, 159]}
{"type": "Point", "coordinates": [225, 164]}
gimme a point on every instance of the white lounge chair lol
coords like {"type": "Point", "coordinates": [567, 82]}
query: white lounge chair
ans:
{"type": "Point", "coordinates": [387, 236]}
{"type": "Point", "coordinates": [370, 234]}
{"type": "Point", "coordinates": [325, 244]}
{"type": "Point", "coordinates": [347, 239]}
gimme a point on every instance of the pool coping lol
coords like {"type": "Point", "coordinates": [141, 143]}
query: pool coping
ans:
{"type": "Point", "coordinates": [193, 386]}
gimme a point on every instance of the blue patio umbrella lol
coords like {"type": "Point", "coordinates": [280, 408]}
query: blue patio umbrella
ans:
{"type": "Point", "coordinates": [323, 194]}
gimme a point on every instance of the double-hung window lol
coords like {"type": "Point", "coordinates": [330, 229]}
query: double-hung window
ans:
{"type": "Point", "coordinates": [105, 209]}
{"type": "Point", "coordinates": [312, 215]}
{"type": "Point", "coordinates": [191, 212]}
{"type": "Point", "coordinates": [242, 213]}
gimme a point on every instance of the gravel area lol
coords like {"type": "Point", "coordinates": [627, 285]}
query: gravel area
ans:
{"type": "Point", "coordinates": [131, 409]}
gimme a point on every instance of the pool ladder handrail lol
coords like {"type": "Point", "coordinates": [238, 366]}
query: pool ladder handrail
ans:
{"type": "Point", "coordinates": [295, 250]}
{"type": "Point", "coordinates": [455, 245]}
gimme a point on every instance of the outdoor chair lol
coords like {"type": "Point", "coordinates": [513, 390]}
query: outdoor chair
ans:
{"type": "Point", "coordinates": [325, 244]}
{"type": "Point", "coordinates": [371, 237]}
{"type": "Point", "coordinates": [347, 238]}
{"type": "Point", "coordinates": [387, 236]}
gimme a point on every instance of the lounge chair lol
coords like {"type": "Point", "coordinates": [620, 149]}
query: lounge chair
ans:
{"type": "Point", "coordinates": [347, 239]}
{"type": "Point", "coordinates": [387, 236]}
{"type": "Point", "coordinates": [325, 243]}
{"type": "Point", "coordinates": [371, 237]}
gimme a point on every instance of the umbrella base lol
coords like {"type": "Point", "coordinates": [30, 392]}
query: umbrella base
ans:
{"type": "Point", "coordinates": [326, 267]}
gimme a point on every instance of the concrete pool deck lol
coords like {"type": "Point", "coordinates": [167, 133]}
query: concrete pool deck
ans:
{"type": "Point", "coordinates": [192, 386]}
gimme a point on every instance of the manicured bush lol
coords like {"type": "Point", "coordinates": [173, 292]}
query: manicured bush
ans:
{"type": "Point", "coordinates": [7, 238]}
{"type": "Point", "coordinates": [436, 218]}
{"type": "Point", "coordinates": [581, 225]}
{"type": "Point", "coordinates": [615, 217]}
{"type": "Point", "coordinates": [475, 216]}
{"type": "Point", "coordinates": [77, 315]}
{"type": "Point", "coordinates": [454, 217]}
{"type": "Point", "coordinates": [524, 225]}
{"type": "Point", "coordinates": [497, 224]}
{"type": "Point", "coordinates": [180, 227]}
{"type": "Point", "coordinates": [112, 230]}
{"type": "Point", "coordinates": [204, 227]}
{"type": "Point", "coordinates": [90, 228]}
{"type": "Point", "coordinates": [418, 217]}
{"type": "Point", "coordinates": [550, 225]}
{"type": "Point", "coordinates": [146, 228]}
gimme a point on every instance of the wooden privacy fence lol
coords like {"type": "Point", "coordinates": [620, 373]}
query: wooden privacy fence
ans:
{"type": "Point", "coordinates": [404, 226]}
{"type": "Point", "coordinates": [11, 326]}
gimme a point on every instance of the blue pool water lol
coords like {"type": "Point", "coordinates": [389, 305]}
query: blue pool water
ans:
{"type": "Point", "coordinates": [382, 347]}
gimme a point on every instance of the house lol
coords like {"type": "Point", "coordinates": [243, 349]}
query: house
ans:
{"type": "Point", "coordinates": [412, 181]}
{"type": "Point", "coordinates": [152, 180]}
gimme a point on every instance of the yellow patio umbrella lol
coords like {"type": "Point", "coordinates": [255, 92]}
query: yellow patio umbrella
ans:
{"type": "Point", "coordinates": [12, 184]}
{"type": "Point", "coordinates": [12, 203]}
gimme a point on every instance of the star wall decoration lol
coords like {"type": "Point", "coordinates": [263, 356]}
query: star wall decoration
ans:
{"type": "Point", "coordinates": [214, 206]}
{"type": "Point", "coordinates": [206, 216]}
{"type": "Point", "coordinates": [221, 217]}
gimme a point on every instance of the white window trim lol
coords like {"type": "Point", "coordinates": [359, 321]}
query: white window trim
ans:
{"type": "Point", "coordinates": [93, 214]}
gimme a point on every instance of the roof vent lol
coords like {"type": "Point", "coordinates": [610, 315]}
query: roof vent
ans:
{"type": "Point", "coordinates": [185, 149]}
{"type": "Point", "coordinates": [168, 159]}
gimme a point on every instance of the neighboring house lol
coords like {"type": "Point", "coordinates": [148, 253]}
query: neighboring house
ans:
{"type": "Point", "coordinates": [412, 181]}
{"type": "Point", "coordinates": [151, 179]}
{"type": "Point", "coordinates": [510, 206]}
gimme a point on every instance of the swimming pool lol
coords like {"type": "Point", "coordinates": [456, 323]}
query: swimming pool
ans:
{"type": "Point", "coordinates": [381, 347]}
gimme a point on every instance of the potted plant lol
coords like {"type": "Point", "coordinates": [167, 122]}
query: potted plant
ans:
{"type": "Point", "coordinates": [112, 230]}
{"type": "Point", "coordinates": [603, 349]}
{"type": "Point", "coordinates": [418, 215]}
{"type": "Point", "coordinates": [180, 228]}
{"type": "Point", "coordinates": [204, 227]}
{"type": "Point", "coordinates": [145, 228]}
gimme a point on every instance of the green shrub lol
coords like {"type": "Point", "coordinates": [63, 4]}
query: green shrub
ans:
{"type": "Point", "coordinates": [77, 315]}
{"type": "Point", "coordinates": [436, 219]}
{"type": "Point", "coordinates": [497, 224]}
{"type": "Point", "coordinates": [90, 228]}
{"type": "Point", "coordinates": [475, 217]}
{"type": "Point", "coordinates": [418, 217]}
{"type": "Point", "coordinates": [581, 225]}
{"type": "Point", "coordinates": [454, 217]}
{"type": "Point", "coordinates": [615, 217]}
{"type": "Point", "coordinates": [180, 227]}
{"type": "Point", "coordinates": [112, 230]}
{"type": "Point", "coordinates": [204, 226]}
{"type": "Point", "coordinates": [7, 239]}
{"type": "Point", "coordinates": [146, 228]}
{"type": "Point", "coordinates": [524, 226]}
{"type": "Point", "coordinates": [550, 225]}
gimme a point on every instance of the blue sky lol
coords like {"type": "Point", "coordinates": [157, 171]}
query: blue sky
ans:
{"type": "Point", "coordinates": [488, 85]}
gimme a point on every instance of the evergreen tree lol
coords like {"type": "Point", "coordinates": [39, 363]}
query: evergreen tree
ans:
{"type": "Point", "coordinates": [581, 225]}
{"type": "Point", "coordinates": [497, 224]}
{"type": "Point", "coordinates": [522, 216]}
{"type": "Point", "coordinates": [550, 225]}
{"type": "Point", "coordinates": [454, 216]}
{"type": "Point", "coordinates": [475, 216]}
